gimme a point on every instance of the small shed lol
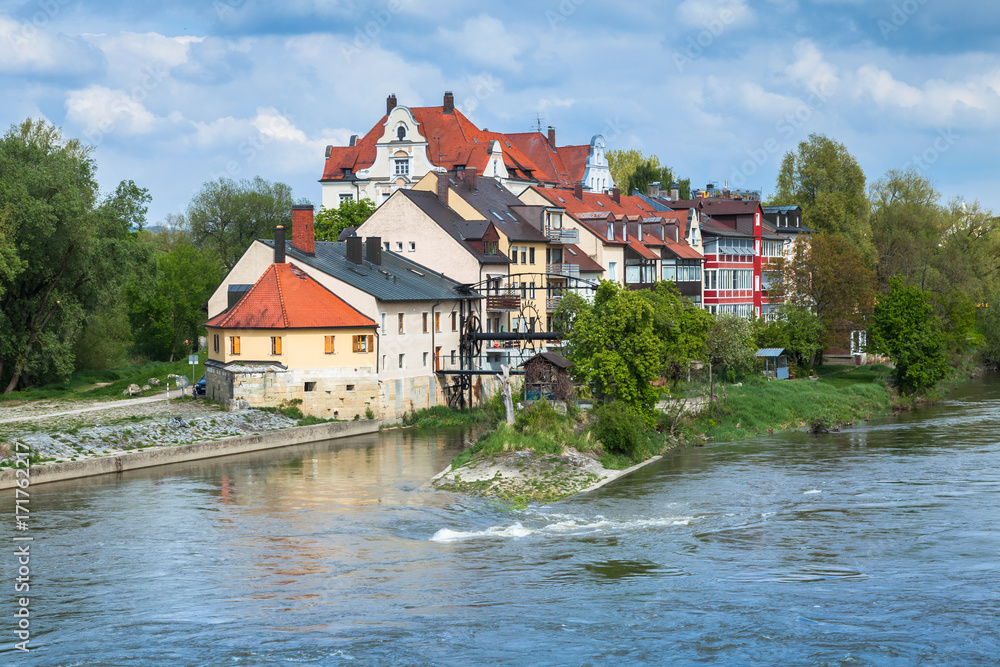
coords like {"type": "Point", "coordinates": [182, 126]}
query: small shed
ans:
{"type": "Point", "coordinates": [547, 375]}
{"type": "Point", "coordinates": [775, 362]}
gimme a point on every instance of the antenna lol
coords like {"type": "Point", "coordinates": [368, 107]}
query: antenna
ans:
{"type": "Point", "coordinates": [538, 122]}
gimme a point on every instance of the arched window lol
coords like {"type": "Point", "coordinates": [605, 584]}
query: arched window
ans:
{"type": "Point", "coordinates": [401, 132]}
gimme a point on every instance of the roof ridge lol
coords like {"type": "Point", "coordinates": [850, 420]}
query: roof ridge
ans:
{"type": "Point", "coordinates": [281, 296]}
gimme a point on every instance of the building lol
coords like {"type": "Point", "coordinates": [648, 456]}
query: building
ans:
{"type": "Point", "coordinates": [409, 142]}
{"type": "Point", "coordinates": [418, 311]}
{"type": "Point", "coordinates": [291, 338]}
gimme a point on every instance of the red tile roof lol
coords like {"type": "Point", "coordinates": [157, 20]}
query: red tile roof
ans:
{"type": "Point", "coordinates": [575, 255]}
{"type": "Point", "coordinates": [285, 297]}
{"type": "Point", "coordinates": [643, 251]}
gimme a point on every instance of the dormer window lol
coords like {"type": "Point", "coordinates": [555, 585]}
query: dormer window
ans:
{"type": "Point", "coordinates": [611, 231]}
{"type": "Point", "coordinates": [401, 132]}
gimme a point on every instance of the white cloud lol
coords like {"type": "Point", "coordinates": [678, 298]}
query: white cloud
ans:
{"type": "Point", "coordinates": [485, 40]}
{"type": "Point", "coordinates": [26, 48]}
{"type": "Point", "coordinates": [100, 110]}
{"type": "Point", "coordinates": [718, 13]}
{"type": "Point", "coordinates": [811, 70]}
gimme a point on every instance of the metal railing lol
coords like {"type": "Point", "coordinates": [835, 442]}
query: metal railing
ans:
{"type": "Point", "coordinates": [572, 270]}
{"type": "Point", "coordinates": [559, 235]}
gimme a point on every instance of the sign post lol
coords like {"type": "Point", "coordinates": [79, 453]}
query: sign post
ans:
{"type": "Point", "coordinates": [193, 360]}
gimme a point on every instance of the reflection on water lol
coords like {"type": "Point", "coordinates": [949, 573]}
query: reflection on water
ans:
{"type": "Point", "coordinates": [876, 545]}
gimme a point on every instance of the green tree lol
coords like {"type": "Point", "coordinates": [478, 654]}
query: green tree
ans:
{"type": "Point", "coordinates": [632, 170]}
{"type": "Point", "coordinates": [904, 329]}
{"type": "Point", "coordinates": [731, 343]}
{"type": "Point", "coordinates": [988, 326]}
{"type": "Point", "coordinates": [805, 333]}
{"type": "Point", "coordinates": [614, 347]}
{"type": "Point", "coordinates": [226, 216]}
{"type": "Point", "coordinates": [829, 277]}
{"type": "Point", "coordinates": [681, 327]}
{"type": "Point", "coordinates": [64, 250]}
{"type": "Point", "coordinates": [330, 222]}
{"type": "Point", "coordinates": [826, 181]}
{"type": "Point", "coordinates": [166, 313]}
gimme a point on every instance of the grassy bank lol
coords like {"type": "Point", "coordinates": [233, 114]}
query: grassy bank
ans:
{"type": "Point", "coordinates": [83, 384]}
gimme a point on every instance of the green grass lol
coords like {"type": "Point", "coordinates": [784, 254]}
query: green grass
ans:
{"type": "Point", "coordinates": [80, 385]}
{"type": "Point", "coordinates": [845, 376]}
{"type": "Point", "coordinates": [442, 415]}
{"type": "Point", "coordinates": [755, 409]}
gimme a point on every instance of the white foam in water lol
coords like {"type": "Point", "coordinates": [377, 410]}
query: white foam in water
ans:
{"type": "Point", "coordinates": [812, 491]}
{"type": "Point", "coordinates": [567, 525]}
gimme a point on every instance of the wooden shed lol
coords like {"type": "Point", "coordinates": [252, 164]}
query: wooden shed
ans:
{"type": "Point", "coordinates": [775, 362]}
{"type": "Point", "coordinates": [546, 375]}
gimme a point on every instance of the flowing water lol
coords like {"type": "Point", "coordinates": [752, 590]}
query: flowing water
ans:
{"type": "Point", "coordinates": [877, 545]}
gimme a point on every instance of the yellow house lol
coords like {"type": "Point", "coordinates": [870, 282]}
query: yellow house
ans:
{"type": "Point", "coordinates": [291, 338]}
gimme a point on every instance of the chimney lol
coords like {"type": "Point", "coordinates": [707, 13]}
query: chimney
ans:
{"type": "Point", "coordinates": [616, 195]}
{"type": "Point", "coordinates": [675, 192]}
{"type": "Point", "coordinates": [471, 176]}
{"type": "Point", "coordinates": [303, 233]}
{"type": "Point", "coordinates": [279, 245]}
{"type": "Point", "coordinates": [444, 183]}
{"type": "Point", "coordinates": [578, 190]}
{"type": "Point", "coordinates": [390, 104]}
{"type": "Point", "coordinates": [552, 137]}
{"type": "Point", "coordinates": [373, 250]}
{"type": "Point", "coordinates": [449, 102]}
{"type": "Point", "coordinates": [354, 249]}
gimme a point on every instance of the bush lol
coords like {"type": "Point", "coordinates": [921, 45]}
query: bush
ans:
{"type": "Point", "coordinates": [620, 429]}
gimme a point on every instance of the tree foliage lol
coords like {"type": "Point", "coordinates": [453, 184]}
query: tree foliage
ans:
{"type": "Point", "coordinates": [904, 329]}
{"type": "Point", "coordinates": [63, 249]}
{"type": "Point", "coordinates": [829, 276]}
{"type": "Point", "coordinates": [827, 182]}
{"type": "Point", "coordinates": [681, 327]}
{"type": "Point", "coordinates": [631, 170]}
{"type": "Point", "coordinates": [350, 214]}
{"type": "Point", "coordinates": [614, 347]}
{"type": "Point", "coordinates": [731, 343]}
{"type": "Point", "coordinates": [226, 216]}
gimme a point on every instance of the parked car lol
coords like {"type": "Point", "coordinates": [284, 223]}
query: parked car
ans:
{"type": "Point", "coordinates": [199, 387]}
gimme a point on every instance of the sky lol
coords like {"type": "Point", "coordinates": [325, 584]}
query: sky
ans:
{"type": "Point", "coordinates": [175, 94]}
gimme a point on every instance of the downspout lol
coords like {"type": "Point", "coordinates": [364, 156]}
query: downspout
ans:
{"type": "Point", "coordinates": [433, 332]}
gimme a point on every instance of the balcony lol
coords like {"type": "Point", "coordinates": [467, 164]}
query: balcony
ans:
{"type": "Point", "coordinates": [555, 235]}
{"type": "Point", "coordinates": [563, 270]}
{"type": "Point", "coordinates": [552, 303]}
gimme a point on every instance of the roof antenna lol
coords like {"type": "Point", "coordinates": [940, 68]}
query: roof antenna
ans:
{"type": "Point", "coordinates": [538, 122]}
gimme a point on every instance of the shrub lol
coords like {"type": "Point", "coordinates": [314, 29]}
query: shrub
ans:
{"type": "Point", "coordinates": [620, 429]}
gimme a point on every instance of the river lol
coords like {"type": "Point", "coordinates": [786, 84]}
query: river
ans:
{"type": "Point", "coordinates": [876, 545]}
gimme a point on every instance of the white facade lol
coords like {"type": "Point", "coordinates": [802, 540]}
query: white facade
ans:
{"type": "Point", "coordinates": [597, 174]}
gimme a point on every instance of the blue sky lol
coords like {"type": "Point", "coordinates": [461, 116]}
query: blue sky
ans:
{"type": "Point", "coordinates": [176, 94]}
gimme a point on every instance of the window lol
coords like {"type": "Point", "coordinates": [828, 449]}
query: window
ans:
{"type": "Point", "coordinates": [669, 271]}
{"type": "Point", "coordinates": [329, 347]}
{"type": "Point", "coordinates": [531, 290]}
{"type": "Point", "coordinates": [383, 322]}
{"type": "Point", "coordinates": [711, 279]}
{"type": "Point", "coordinates": [454, 321]}
{"type": "Point", "coordinates": [513, 254]}
{"type": "Point", "coordinates": [531, 255]}
{"type": "Point", "coordinates": [611, 231]}
{"type": "Point", "coordinates": [491, 247]}
{"type": "Point", "coordinates": [215, 343]}
{"type": "Point", "coordinates": [402, 167]}
{"type": "Point", "coordinates": [413, 246]}
{"type": "Point", "coordinates": [363, 344]}
{"type": "Point", "coordinates": [524, 255]}
{"type": "Point", "coordinates": [423, 322]}
{"type": "Point", "coordinates": [612, 271]}
{"type": "Point", "coordinates": [425, 359]}
{"type": "Point", "coordinates": [386, 245]}
{"type": "Point", "coordinates": [346, 197]}
{"type": "Point", "coordinates": [437, 322]}
{"type": "Point", "coordinates": [402, 359]}
{"type": "Point", "coordinates": [399, 246]}
{"type": "Point", "coordinates": [349, 387]}
{"type": "Point", "coordinates": [234, 344]}
{"type": "Point", "coordinates": [309, 386]}
{"type": "Point", "coordinates": [453, 357]}
{"type": "Point", "coordinates": [276, 345]}
{"type": "Point", "coordinates": [400, 321]}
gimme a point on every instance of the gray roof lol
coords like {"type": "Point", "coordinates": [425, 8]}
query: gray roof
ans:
{"type": "Point", "coordinates": [451, 222]}
{"type": "Point", "coordinates": [396, 279]}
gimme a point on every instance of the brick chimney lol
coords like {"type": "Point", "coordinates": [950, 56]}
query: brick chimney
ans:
{"type": "Point", "coordinates": [471, 177]}
{"type": "Point", "coordinates": [616, 195]}
{"type": "Point", "coordinates": [578, 190]}
{"type": "Point", "coordinates": [552, 137]}
{"type": "Point", "coordinates": [449, 102]}
{"type": "Point", "coordinates": [279, 245]}
{"type": "Point", "coordinates": [390, 103]}
{"type": "Point", "coordinates": [675, 192]}
{"type": "Point", "coordinates": [303, 232]}
{"type": "Point", "coordinates": [444, 184]}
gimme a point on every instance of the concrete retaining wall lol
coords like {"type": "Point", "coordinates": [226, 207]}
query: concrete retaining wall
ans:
{"type": "Point", "coordinates": [157, 456]}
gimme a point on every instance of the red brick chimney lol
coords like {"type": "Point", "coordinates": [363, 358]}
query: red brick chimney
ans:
{"type": "Point", "coordinates": [303, 232]}
{"type": "Point", "coordinates": [449, 102]}
{"type": "Point", "coordinates": [390, 103]}
{"type": "Point", "coordinates": [471, 177]}
{"type": "Point", "coordinates": [578, 190]}
{"type": "Point", "coordinates": [616, 195]}
{"type": "Point", "coordinates": [552, 137]}
{"type": "Point", "coordinates": [444, 185]}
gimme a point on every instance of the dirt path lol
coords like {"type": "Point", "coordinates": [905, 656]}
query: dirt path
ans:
{"type": "Point", "coordinates": [45, 410]}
